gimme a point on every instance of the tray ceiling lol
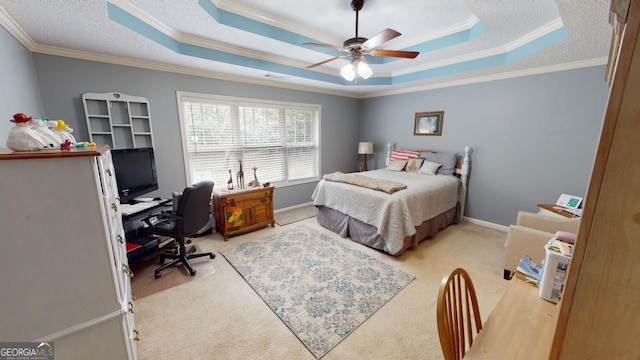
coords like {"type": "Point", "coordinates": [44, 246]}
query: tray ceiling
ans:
{"type": "Point", "coordinates": [460, 41]}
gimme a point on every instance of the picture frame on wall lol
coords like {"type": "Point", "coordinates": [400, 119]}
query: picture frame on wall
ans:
{"type": "Point", "coordinates": [428, 123]}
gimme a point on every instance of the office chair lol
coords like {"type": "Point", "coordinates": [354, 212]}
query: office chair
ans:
{"type": "Point", "coordinates": [191, 215]}
{"type": "Point", "coordinates": [457, 314]}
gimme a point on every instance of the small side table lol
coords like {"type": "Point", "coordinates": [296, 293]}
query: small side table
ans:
{"type": "Point", "coordinates": [555, 211]}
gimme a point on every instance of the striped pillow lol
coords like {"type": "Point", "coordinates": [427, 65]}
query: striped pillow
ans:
{"type": "Point", "coordinates": [403, 155]}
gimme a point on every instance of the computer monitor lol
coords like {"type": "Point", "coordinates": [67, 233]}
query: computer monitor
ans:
{"type": "Point", "coordinates": [135, 172]}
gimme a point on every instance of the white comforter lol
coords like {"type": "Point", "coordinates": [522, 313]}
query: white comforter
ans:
{"type": "Point", "coordinates": [394, 215]}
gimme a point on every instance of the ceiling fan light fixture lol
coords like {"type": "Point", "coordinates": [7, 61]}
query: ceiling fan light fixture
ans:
{"type": "Point", "coordinates": [348, 72]}
{"type": "Point", "coordinates": [358, 46]}
{"type": "Point", "coordinates": [364, 70]}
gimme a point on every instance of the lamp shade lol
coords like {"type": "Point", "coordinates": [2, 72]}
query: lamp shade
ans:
{"type": "Point", "coordinates": [365, 147]}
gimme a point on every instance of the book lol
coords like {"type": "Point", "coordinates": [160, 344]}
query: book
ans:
{"type": "Point", "coordinates": [528, 270]}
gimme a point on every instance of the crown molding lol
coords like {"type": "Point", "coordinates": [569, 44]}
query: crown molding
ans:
{"type": "Point", "coordinates": [135, 11]}
{"type": "Point", "coordinates": [178, 69]}
{"type": "Point", "coordinates": [199, 41]}
{"type": "Point", "coordinates": [487, 78]}
{"type": "Point", "coordinates": [150, 65]}
{"type": "Point", "coordinates": [453, 29]}
{"type": "Point", "coordinates": [498, 50]}
{"type": "Point", "coordinates": [278, 22]}
{"type": "Point", "coordinates": [15, 30]}
{"type": "Point", "coordinates": [535, 34]}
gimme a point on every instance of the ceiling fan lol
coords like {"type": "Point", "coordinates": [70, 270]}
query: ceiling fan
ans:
{"type": "Point", "coordinates": [358, 46]}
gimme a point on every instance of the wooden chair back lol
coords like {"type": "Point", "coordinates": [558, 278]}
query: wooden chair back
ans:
{"type": "Point", "coordinates": [458, 314]}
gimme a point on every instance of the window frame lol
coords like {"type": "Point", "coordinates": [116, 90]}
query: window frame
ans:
{"type": "Point", "coordinates": [237, 102]}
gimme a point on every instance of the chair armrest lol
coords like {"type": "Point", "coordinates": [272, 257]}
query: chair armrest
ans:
{"type": "Point", "coordinates": [522, 241]}
{"type": "Point", "coordinates": [547, 223]}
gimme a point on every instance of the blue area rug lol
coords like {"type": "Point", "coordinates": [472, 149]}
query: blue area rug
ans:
{"type": "Point", "coordinates": [320, 288]}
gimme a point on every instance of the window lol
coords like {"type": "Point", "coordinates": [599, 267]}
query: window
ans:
{"type": "Point", "coordinates": [281, 140]}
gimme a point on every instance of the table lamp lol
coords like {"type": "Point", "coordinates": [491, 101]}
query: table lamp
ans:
{"type": "Point", "coordinates": [365, 148]}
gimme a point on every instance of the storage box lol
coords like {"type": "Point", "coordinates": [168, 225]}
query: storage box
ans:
{"type": "Point", "coordinates": [554, 270]}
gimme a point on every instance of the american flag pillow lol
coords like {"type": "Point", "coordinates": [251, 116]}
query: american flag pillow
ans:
{"type": "Point", "coordinates": [403, 155]}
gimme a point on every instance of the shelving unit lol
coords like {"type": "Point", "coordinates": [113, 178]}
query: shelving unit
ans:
{"type": "Point", "coordinates": [118, 120]}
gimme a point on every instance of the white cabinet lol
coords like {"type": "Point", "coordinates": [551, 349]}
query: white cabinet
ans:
{"type": "Point", "coordinates": [118, 120]}
{"type": "Point", "coordinates": [65, 275]}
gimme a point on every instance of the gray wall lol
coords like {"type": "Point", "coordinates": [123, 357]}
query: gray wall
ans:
{"type": "Point", "coordinates": [62, 81]}
{"type": "Point", "coordinates": [19, 88]}
{"type": "Point", "coordinates": [533, 137]}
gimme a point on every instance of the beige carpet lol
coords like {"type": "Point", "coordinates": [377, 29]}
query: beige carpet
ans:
{"type": "Point", "coordinates": [287, 217]}
{"type": "Point", "coordinates": [221, 317]}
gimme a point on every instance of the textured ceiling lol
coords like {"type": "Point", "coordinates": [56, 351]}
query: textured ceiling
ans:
{"type": "Point", "coordinates": [460, 41]}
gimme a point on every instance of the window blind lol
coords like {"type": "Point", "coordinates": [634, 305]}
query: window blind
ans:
{"type": "Point", "coordinates": [280, 140]}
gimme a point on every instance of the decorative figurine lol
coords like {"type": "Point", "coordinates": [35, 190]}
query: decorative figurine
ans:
{"type": "Point", "coordinates": [63, 131]}
{"type": "Point", "coordinates": [40, 126]}
{"type": "Point", "coordinates": [66, 145]}
{"type": "Point", "coordinates": [230, 181]}
{"type": "Point", "coordinates": [240, 177]}
{"type": "Point", "coordinates": [254, 182]}
{"type": "Point", "coordinates": [22, 137]}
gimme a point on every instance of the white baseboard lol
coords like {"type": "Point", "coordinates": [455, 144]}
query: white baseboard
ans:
{"type": "Point", "coordinates": [486, 224]}
{"type": "Point", "coordinates": [293, 207]}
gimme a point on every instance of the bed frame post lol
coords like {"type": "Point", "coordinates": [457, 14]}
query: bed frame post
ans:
{"type": "Point", "coordinates": [388, 158]}
{"type": "Point", "coordinates": [464, 177]}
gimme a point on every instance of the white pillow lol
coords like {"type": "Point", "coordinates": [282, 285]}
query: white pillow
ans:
{"type": "Point", "coordinates": [397, 165]}
{"type": "Point", "coordinates": [429, 168]}
{"type": "Point", "coordinates": [414, 164]}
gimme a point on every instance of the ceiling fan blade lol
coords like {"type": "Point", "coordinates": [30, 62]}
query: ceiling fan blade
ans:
{"type": "Point", "coordinates": [380, 38]}
{"type": "Point", "coordinates": [394, 53]}
{"type": "Point", "coordinates": [339, 48]}
{"type": "Point", "coordinates": [326, 61]}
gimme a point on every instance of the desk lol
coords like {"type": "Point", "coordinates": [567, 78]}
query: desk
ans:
{"type": "Point", "coordinates": [521, 326]}
{"type": "Point", "coordinates": [138, 242]}
{"type": "Point", "coordinates": [142, 207]}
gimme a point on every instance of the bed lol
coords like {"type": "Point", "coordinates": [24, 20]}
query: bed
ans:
{"type": "Point", "coordinates": [391, 219]}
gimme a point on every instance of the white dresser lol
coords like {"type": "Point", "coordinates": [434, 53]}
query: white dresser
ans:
{"type": "Point", "coordinates": [65, 276]}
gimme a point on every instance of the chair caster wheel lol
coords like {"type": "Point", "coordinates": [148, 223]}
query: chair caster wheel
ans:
{"type": "Point", "coordinates": [192, 273]}
{"type": "Point", "coordinates": [212, 256]}
{"type": "Point", "coordinates": [157, 275]}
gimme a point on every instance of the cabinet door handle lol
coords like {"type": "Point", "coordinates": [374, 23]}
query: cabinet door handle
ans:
{"type": "Point", "coordinates": [264, 201]}
{"type": "Point", "coordinates": [127, 271]}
